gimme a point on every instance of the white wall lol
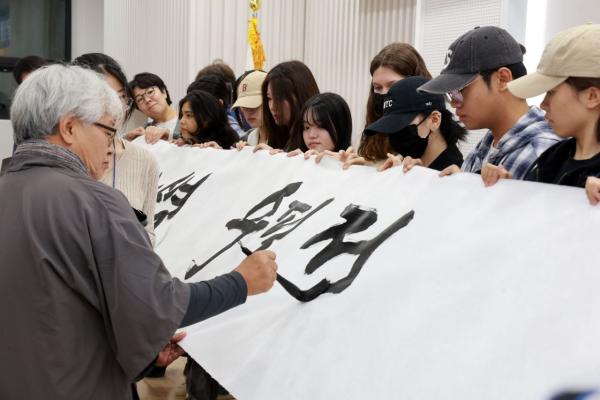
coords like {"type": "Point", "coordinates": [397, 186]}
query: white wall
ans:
{"type": "Point", "coordinates": [341, 39]}
{"type": "Point", "coordinates": [545, 18]}
{"type": "Point", "coordinates": [87, 27]}
{"type": "Point", "coordinates": [561, 14]}
{"type": "Point", "coordinates": [335, 38]}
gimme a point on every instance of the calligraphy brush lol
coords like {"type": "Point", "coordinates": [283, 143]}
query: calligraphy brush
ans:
{"type": "Point", "coordinates": [293, 290]}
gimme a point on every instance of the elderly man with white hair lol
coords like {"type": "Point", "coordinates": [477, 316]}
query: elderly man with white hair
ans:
{"type": "Point", "coordinates": [86, 304]}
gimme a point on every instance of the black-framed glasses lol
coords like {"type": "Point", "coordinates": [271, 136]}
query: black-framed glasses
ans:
{"type": "Point", "coordinates": [148, 93]}
{"type": "Point", "coordinates": [106, 129]}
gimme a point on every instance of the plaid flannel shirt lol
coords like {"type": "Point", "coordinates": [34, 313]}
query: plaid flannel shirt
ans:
{"type": "Point", "coordinates": [519, 147]}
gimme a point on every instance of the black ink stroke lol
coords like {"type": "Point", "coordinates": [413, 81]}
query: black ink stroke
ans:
{"type": "Point", "coordinates": [357, 220]}
{"type": "Point", "coordinates": [249, 225]}
{"type": "Point", "coordinates": [169, 193]}
{"type": "Point", "coordinates": [293, 290]}
{"type": "Point", "coordinates": [287, 219]}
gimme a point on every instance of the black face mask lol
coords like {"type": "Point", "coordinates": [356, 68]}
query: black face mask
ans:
{"type": "Point", "coordinates": [407, 142]}
{"type": "Point", "coordinates": [378, 103]}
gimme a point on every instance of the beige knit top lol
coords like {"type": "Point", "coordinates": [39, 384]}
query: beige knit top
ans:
{"type": "Point", "coordinates": [137, 178]}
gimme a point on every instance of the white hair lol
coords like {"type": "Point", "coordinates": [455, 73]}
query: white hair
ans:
{"type": "Point", "coordinates": [56, 91]}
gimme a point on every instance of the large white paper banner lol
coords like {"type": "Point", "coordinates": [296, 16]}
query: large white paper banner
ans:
{"type": "Point", "coordinates": [486, 293]}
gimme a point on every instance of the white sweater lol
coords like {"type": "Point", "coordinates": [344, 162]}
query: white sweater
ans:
{"type": "Point", "coordinates": [137, 178]}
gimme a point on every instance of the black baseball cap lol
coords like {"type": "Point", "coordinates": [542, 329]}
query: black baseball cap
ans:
{"type": "Point", "coordinates": [480, 49]}
{"type": "Point", "coordinates": [402, 104]}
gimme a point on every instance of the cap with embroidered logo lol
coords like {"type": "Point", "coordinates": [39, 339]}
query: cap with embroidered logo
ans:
{"type": "Point", "coordinates": [480, 49]}
{"type": "Point", "coordinates": [402, 104]}
{"type": "Point", "coordinates": [249, 90]}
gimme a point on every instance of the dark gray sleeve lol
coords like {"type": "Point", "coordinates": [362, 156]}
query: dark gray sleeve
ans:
{"type": "Point", "coordinates": [215, 296]}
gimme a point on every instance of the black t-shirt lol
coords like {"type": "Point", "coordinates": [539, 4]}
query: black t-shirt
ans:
{"type": "Point", "coordinates": [556, 165]}
{"type": "Point", "coordinates": [447, 158]}
{"type": "Point", "coordinates": [574, 172]}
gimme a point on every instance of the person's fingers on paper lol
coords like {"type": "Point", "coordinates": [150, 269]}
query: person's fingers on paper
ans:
{"type": "Point", "coordinates": [240, 145]}
{"type": "Point", "coordinates": [592, 190]}
{"type": "Point", "coordinates": [355, 160]}
{"type": "Point", "coordinates": [309, 153]}
{"type": "Point", "coordinates": [408, 163]}
{"type": "Point", "coordinates": [261, 146]}
{"type": "Point", "coordinates": [452, 169]}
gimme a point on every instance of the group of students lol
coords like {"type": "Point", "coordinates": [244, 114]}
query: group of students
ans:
{"type": "Point", "coordinates": [407, 119]}
{"type": "Point", "coordinates": [408, 122]}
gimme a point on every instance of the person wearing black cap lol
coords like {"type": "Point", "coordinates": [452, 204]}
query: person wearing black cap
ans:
{"type": "Point", "coordinates": [478, 67]}
{"type": "Point", "coordinates": [418, 126]}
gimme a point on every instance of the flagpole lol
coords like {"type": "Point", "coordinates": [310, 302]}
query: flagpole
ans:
{"type": "Point", "coordinates": [255, 45]}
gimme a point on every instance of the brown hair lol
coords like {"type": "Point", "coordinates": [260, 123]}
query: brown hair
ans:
{"type": "Point", "coordinates": [293, 82]}
{"type": "Point", "coordinates": [403, 59]}
{"type": "Point", "coordinates": [218, 67]}
{"type": "Point", "coordinates": [581, 84]}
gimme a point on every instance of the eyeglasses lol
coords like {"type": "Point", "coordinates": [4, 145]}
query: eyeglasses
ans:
{"type": "Point", "coordinates": [456, 96]}
{"type": "Point", "coordinates": [149, 93]}
{"type": "Point", "coordinates": [108, 130]}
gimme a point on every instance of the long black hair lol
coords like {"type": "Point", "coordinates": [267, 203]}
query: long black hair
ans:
{"type": "Point", "coordinates": [328, 111]}
{"type": "Point", "coordinates": [106, 65]}
{"type": "Point", "coordinates": [215, 85]}
{"type": "Point", "coordinates": [211, 119]}
{"type": "Point", "coordinates": [27, 65]}
{"type": "Point", "coordinates": [451, 130]}
{"type": "Point", "coordinates": [290, 81]}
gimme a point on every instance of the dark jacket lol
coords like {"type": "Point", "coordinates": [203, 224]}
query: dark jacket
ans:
{"type": "Point", "coordinates": [4, 165]}
{"type": "Point", "coordinates": [88, 302]}
{"type": "Point", "coordinates": [556, 165]}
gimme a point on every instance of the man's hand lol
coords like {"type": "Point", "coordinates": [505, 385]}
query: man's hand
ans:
{"type": "Point", "coordinates": [259, 270]}
{"type": "Point", "coordinates": [452, 169]}
{"type": "Point", "coordinates": [490, 174]}
{"type": "Point", "coordinates": [592, 190]}
{"type": "Point", "coordinates": [171, 351]}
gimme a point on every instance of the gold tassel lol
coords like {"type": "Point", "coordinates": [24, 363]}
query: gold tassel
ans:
{"type": "Point", "coordinates": [258, 51]}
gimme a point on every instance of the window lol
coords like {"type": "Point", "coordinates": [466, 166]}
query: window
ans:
{"type": "Point", "coordinates": [31, 27]}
